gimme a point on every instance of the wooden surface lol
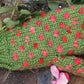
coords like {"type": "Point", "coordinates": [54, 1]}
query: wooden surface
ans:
{"type": "Point", "coordinates": [40, 76]}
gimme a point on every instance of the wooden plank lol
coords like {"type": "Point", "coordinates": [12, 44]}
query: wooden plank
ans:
{"type": "Point", "coordinates": [40, 76]}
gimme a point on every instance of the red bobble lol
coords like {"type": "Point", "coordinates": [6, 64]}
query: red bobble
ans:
{"type": "Point", "coordinates": [77, 61]}
{"type": "Point", "coordinates": [62, 25]}
{"type": "Point", "coordinates": [55, 60]}
{"type": "Point", "coordinates": [78, 35]}
{"type": "Point", "coordinates": [75, 44]}
{"type": "Point", "coordinates": [35, 67]}
{"type": "Point", "coordinates": [74, 22]}
{"type": "Point", "coordinates": [82, 26]}
{"type": "Point", "coordinates": [30, 55]}
{"type": "Point", "coordinates": [41, 37]}
{"type": "Point", "coordinates": [73, 7]}
{"type": "Point", "coordinates": [43, 14]}
{"type": "Point", "coordinates": [10, 29]}
{"type": "Point", "coordinates": [50, 43]}
{"type": "Point", "coordinates": [58, 10]}
{"type": "Point", "coordinates": [64, 39]}
{"type": "Point", "coordinates": [20, 69]}
{"type": "Point", "coordinates": [81, 11]}
{"type": "Point", "coordinates": [69, 67]}
{"type": "Point", "coordinates": [80, 71]}
{"type": "Point", "coordinates": [24, 24]}
{"type": "Point", "coordinates": [60, 68]}
{"type": "Point", "coordinates": [38, 23]}
{"type": "Point", "coordinates": [35, 45]}
{"type": "Point", "coordinates": [56, 33]}
{"type": "Point", "coordinates": [30, 19]}
{"type": "Point", "coordinates": [26, 39]}
{"type": "Point", "coordinates": [66, 15]}
{"type": "Point", "coordinates": [32, 30]}
{"type": "Point", "coordinates": [21, 48]}
{"type": "Point", "coordinates": [49, 64]}
{"type": "Point", "coordinates": [68, 30]}
{"type": "Point", "coordinates": [15, 56]}
{"type": "Point", "coordinates": [25, 64]}
{"type": "Point", "coordinates": [63, 58]}
{"type": "Point", "coordinates": [46, 27]}
{"type": "Point", "coordinates": [52, 18]}
{"type": "Point", "coordinates": [44, 53]}
{"type": "Point", "coordinates": [12, 42]}
{"type": "Point", "coordinates": [59, 49]}
{"type": "Point", "coordinates": [18, 34]}
{"type": "Point", "coordinates": [71, 52]}
{"type": "Point", "coordinates": [41, 61]}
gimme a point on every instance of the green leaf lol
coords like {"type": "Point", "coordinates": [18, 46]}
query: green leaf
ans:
{"type": "Point", "coordinates": [8, 0]}
{"type": "Point", "coordinates": [36, 13]}
{"type": "Point", "coordinates": [25, 12]}
{"type": "Point", "coordinates": [53, 5]}
{"type": "Point", "coordinates": [78, 1]}
{"type": "Point", "coordinates": [10, 23]}
{"type": "Point", "coordinates": [0, 24]}
{"type": "Point", "coordinates": [7, 9]}
{"type": "Point", "coordinates": [6, 20]}
{"type": "Point", "coordinates": [36, 2]}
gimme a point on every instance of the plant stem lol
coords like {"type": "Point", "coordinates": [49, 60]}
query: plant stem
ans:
{"type": "Point", "coordinates": [68, 2]}
{"type": "Point", "coordinates": [16, 5]}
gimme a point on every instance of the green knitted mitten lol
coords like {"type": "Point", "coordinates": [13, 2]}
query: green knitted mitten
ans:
{"type": "Point", "coordinates": [52, 38]}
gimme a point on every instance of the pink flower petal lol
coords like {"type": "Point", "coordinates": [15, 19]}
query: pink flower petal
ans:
{"type": "Point", "coordinates": [54, 71]}
{"type": "Point", "coordinates": [62, 79]}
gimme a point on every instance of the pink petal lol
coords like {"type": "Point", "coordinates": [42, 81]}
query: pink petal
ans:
{"type": "Point", "coordinates": [53, 82]}
{"type": "Point", "coordinates": [54, 71]}
{"type": "Point", "coordinates": [62, 79]}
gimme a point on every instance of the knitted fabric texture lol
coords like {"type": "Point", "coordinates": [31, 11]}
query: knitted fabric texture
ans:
{"type": "Point", "coordinates": [53, 38]}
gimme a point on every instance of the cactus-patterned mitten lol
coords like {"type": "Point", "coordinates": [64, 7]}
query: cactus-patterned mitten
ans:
{"type": "Point", "coordinates": [52, 38]}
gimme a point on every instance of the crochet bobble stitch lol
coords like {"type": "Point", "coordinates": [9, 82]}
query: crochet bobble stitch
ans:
{"type": "Point", "coordinates": [52, 38]}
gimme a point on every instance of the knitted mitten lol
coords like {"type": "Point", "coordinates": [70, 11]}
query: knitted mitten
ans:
{"type": "Point", "coordinates": [52, 38]}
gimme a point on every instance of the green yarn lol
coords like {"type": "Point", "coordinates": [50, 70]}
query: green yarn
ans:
{"type": "Point", "coordinates": [52, 38]}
